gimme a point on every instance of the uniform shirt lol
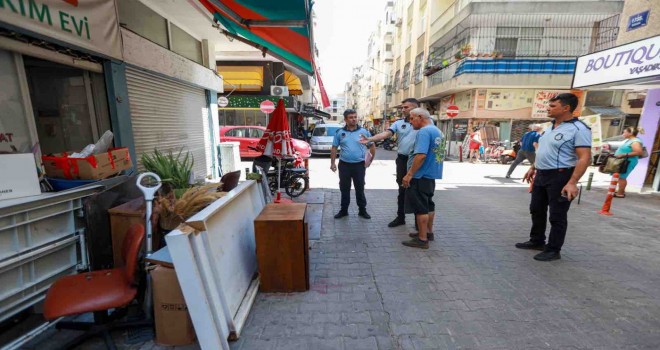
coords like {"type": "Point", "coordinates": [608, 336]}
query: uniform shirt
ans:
{"type": "Point", "coordinates": [405, 136]}
{"type": "Point", "coordinates": [352, 151]}
{"type": "Point", "coordinates": [428, 141]}
{"type": "Point", "coordinates": [557, 144]}
{"type": "Point", "coordinates": [527, 142]}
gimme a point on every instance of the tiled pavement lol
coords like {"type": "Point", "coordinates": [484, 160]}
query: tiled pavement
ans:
{"type": "Point", "coordinates": [472, 289]}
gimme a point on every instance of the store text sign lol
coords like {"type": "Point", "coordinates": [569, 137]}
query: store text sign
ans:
{"type": "Point", "coordinates": [88, 24]}
{"type": "Point", "coordinates": [631, 61]}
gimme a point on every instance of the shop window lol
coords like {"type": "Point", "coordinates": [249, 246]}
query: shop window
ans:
{"type": "Point", "coordinates": [14, 129]}
{"type": "Point", "coordinates": [68, 105]}
{"type": "Point", "coordinates": [140, 19]}
{"type": "Point", "coordinates": [185, 45]}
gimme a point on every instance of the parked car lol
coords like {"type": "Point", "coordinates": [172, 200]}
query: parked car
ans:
{"type": "Point", "coordinates": [248, 136]}
{"type": "Point", "coordinates": [608, 146]}
{"type": "Point", "coordinates": [322, 136]}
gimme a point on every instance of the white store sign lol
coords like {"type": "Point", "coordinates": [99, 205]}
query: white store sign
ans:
{"type": "Point", "coordinates": [89, 24]}
{"type": "Point", "coordinates": [631, 61]}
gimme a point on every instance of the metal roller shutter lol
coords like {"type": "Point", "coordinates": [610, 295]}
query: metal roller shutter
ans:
{"type": "Point", "coordinates": [168, 115]}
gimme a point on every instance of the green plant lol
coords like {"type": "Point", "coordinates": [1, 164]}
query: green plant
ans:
{"type": "Point", "coordinates": [172, 169]}
{"type": "Point", "coordinates": [253, 176]}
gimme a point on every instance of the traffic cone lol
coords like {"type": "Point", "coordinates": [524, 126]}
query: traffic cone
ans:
{"type": "Point", "coordinates": [610, 194]}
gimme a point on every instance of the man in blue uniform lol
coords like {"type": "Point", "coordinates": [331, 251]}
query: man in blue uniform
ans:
{"type": "Point", "coordinates": [352, 166]}
{"type": "Point", "coordinates": [405, 139]}
{"type": "Point", "coordinates": [527, 150]}
{"type": "Point", "coordinates": [563, 155]}
{"type": "Point", "coordinates": [424, 167]}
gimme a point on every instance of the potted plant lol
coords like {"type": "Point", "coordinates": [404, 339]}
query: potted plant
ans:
{"type": "Point", "coordinates": [466, 48]}
{"type": "Point", "coordinates": [459, 55]}
{"type": "Point", "coordinates": [500, 55]}
{"type": "Point", "coordinates": [174, 170]}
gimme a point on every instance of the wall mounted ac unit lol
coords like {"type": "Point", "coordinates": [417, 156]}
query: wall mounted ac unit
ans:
{"type": "Point", "coordinates": [279, 91]}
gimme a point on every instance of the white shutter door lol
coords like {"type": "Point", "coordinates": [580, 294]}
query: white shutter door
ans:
{"type": "Point", "coordinates": [168, 115]}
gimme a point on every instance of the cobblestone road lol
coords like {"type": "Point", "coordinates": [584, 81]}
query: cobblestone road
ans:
{"type": "Point", "coordinates": [472, 289]}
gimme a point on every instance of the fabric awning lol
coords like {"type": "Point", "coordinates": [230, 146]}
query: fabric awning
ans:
{"type": "Point", "coordinates": [242, 78]}
{"type": "Point", "coordinates": [293, 83]}
{"type": "Point", "coordinates": [604, 111]}
{"type": "Point", "coordinates": [280, 28]}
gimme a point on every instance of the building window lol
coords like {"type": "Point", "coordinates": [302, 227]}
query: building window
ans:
{"type": "Point", "coordinates": [185, 45]}
{"type": "Point", "coordinates": [418, 68]}
{"type": "Point", "coordinates": [388, 47]}
{"type": "Point", "coordinates": [519, 41]}
{"type": "Point", "coordinates": [138, 18]}
{"type": "Point", "coordinates": [405, 79]}
{"type": "Point", "coordinates": [395, 85]}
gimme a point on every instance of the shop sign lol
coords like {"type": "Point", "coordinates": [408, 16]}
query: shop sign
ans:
{"type": "Point", "coordinates": [88, 24]}
{"type": "Point", "coordinates": [638, 20]}
{"type": "Point", "coordinates": [223, 101]}
{"type": "Point", "coordinates": [541, 102]}
{"type": "Point", "coordinates": [631, 61]}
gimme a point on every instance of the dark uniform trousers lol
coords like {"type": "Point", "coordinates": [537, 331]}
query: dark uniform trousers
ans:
{"type": "Point", "coordinates": [546, 192]}
{"type": "Point", "coordinates": [401, 170]}
{"type": "Point", "coordinates": [354, 172]}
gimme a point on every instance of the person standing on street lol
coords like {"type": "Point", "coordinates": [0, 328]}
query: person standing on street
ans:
{"type": "Point", "coordinates": [424, 167]}
{"type": "Point", "coordinates": [352, 165]}
{"type": "Point", "coordinates": [474, 145]}
{"type": "Point", "coordinates": [631, 149]}
{"type": "Point", "coordinates": [405, 139]}
{"type": "Point", "coordinates": [563, 155]}
{"type": "Point", "coordinates": [528, 145]}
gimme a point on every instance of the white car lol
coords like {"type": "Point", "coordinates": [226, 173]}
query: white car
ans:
{"type": "Point", "coordinates": [322, 137]}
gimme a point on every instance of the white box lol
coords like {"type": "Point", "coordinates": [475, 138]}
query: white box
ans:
{"type": "Point", "coordinates": [18, 177]}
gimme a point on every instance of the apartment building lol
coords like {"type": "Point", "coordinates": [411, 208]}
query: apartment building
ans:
{"type": "Point", "coordinates": [498, 61]}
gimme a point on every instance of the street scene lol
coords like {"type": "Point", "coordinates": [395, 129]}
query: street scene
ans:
{"type": "Point", "coordinates": [297, 174]}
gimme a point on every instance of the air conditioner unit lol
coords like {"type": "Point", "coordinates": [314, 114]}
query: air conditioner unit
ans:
{"type": "Point", "coordinates": [279, 91]}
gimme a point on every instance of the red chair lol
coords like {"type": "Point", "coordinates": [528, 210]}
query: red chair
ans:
{"type": "Point", "coordinates": [98, 292]}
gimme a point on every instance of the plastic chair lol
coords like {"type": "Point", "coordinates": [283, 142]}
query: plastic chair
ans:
{"type": "Point", "coordinates": [98, 292]}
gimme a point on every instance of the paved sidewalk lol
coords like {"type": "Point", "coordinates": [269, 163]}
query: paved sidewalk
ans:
{"type": "Point", "coordinates": [472, 289]}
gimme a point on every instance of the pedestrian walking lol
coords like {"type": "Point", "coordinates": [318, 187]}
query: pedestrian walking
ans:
{"type": "Point", "coordinates": [405, 139]}
{"type": "Point", "coordinates": [424, 167]}
{"type": "Point", "coordinates": [474, 145]}
{"type": "Point", "coordinates": [352, 165]}
{"type": "Point", "coordinates": [632, 149]}
{"type": "Point", "coordinates": [528, 145]}
{"type": "Point", "coordinates": [562, 157]}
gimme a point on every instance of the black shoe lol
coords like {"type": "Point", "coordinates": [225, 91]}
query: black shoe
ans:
{"type": "Point", "coordinates": [531, 245]}
{"type": "Point", "coordinates": [397, 222]}
{"type": "Point", "coordinates": [429, 235]}
{"type": "Point", "coordinates": [363, 213]}
{"type": "Point", "coordinates": [547, 255]}
{"type": "Point", "coordinates": [341, 214]}
{"type": "Point", "coordinates": [416, 243]}
{"type": "Point", "coordinates": [508, 176]}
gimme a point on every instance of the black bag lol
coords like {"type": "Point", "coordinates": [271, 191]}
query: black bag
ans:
{"type": "Point", "coordinates": [615, 165]}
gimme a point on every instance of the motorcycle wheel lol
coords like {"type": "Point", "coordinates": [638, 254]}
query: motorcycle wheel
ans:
{"type": "Point", "coordinates": [296, 186]}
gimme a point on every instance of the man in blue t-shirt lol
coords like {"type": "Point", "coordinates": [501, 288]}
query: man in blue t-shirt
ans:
{"type": "Point", "coordinates": [424, 167]}
{"type": "Point", "coordinates": [528, 145]}
{"type": "Point", "coordinates": [352, 165]}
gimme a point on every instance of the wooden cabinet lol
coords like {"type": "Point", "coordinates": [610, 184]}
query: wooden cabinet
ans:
{"type": "Point", "coordinates": [121, 218]}
{"type": "Point", "coordinates": [282, 248]}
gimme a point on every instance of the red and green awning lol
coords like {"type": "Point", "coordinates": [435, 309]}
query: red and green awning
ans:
{"type": "Point", "coordinates": [281, 28]}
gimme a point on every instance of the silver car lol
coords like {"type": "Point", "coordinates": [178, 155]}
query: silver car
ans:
{"type": "Point", "coordinates": [322, 137]}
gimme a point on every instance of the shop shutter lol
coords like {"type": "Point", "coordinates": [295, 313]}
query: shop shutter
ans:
{"type": "Point", "coordinates": [168, 115]}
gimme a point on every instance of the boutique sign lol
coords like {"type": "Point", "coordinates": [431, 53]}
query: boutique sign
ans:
{"type": "Point", "coordinates": [640, 59]}
{"type": "Point", "coordinates": [88, 24]}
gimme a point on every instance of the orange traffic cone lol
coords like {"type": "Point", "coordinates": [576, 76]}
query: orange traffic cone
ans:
{"type": "Point", "coordinates": [610, 194]}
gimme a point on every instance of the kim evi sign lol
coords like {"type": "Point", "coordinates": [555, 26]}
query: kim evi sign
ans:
{"type": "Point", "coordinates": [88, 24]}
{"type": "Point", "coordinates": [639, 59]}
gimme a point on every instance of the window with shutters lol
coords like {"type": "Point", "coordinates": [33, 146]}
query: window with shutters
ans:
{"type": "Point", "coordinates": [405, 79]}
{"type": "Point", "coordinates": [519, 41]}
{"type": "Point", "coordinates": [419, 62]}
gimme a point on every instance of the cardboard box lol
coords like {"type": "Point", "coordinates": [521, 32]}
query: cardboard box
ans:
{"type": "Point", "coordinates": [172, 320]}
{"type": "Point", "coordinates": [18, 177]}
{"type": "Point", "coordinates": [94, 167]}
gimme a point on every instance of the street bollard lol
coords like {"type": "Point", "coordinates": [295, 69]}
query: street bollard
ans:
{"type": "Point", "coordinates": [460, 153]}
{"type": "Point", "coordinates": [591, 178]}
{"type": "Point", "coordinates": [307, 173]}
{"type": "Point", "coordinates": [580, 194]}
{"type": "Point", "coordinates": [610, 194]}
